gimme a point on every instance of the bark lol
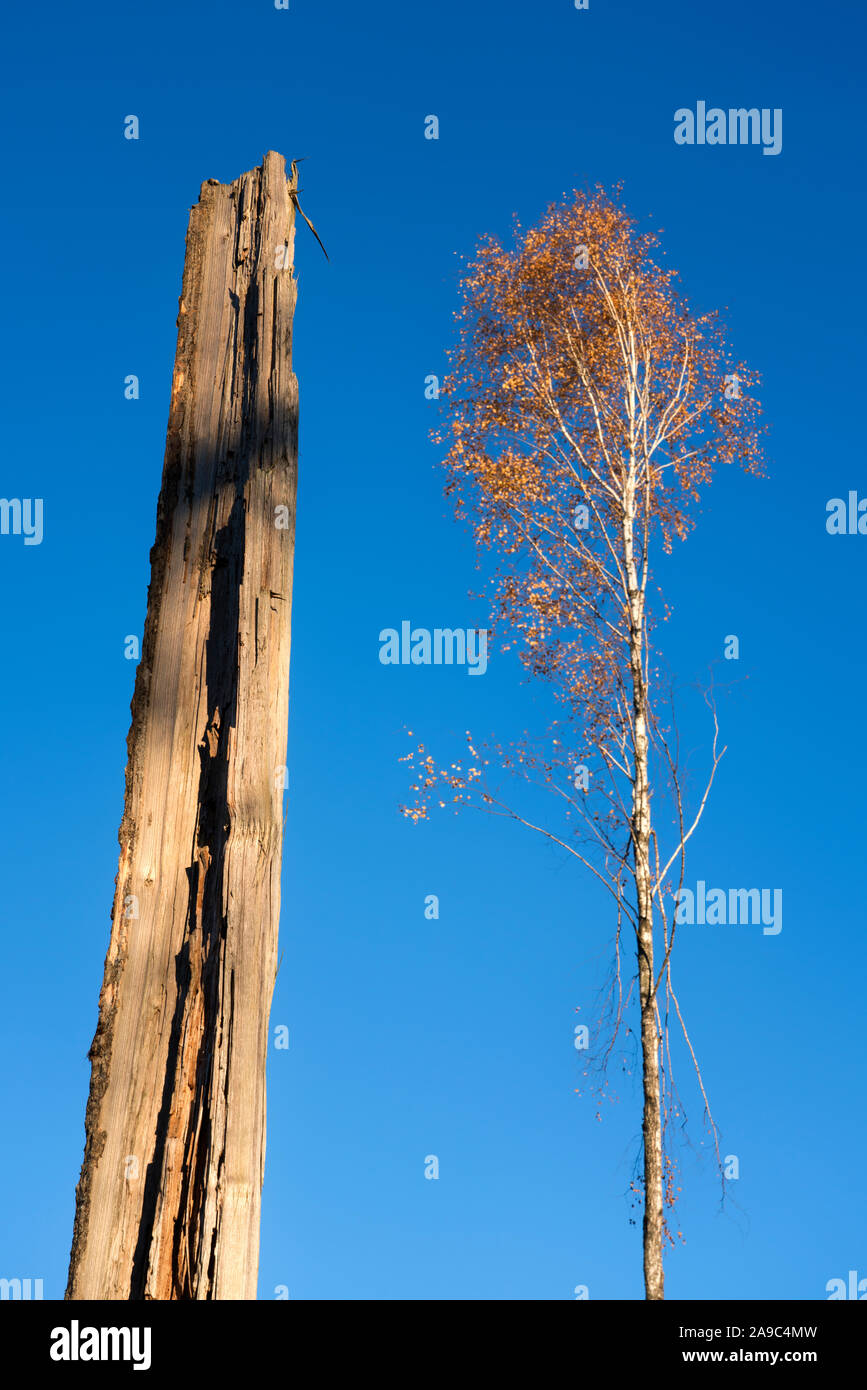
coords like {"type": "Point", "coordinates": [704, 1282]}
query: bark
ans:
{"type": "Point", "coordinates": [167, 1206]}
{"type": "Point", "coordinates": [653, 1224]}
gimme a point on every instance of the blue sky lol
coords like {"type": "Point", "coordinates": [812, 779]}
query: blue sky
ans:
{"type": "Point", "coordinates": [454, 1037]}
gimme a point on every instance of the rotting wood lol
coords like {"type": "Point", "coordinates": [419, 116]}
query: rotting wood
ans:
{"type": "Point", "coordinates": [168, 1202]}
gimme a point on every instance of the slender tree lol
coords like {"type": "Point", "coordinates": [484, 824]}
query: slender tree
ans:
{"type": "Point", "coordinates": [586, 407]}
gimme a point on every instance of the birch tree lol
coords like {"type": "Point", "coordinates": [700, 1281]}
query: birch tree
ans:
{"type": "Point", "coordinates": [586, 408]}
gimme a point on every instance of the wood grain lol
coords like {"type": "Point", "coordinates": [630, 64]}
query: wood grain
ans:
{"type": "Point", "coordinates": [168, 1202]}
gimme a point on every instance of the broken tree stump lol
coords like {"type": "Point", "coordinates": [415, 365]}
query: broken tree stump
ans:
{"type": "Point", "coordinates": [168, 1202]}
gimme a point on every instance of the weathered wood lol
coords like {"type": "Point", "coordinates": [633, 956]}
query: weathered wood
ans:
{"type": "Point", "coordinates": [169, 1196]}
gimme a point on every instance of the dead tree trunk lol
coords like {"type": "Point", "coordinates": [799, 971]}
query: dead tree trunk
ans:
{"type": "Point", "coordinates": [167, 1205]}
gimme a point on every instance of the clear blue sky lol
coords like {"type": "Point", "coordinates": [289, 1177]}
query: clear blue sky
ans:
{"type": "Point", "coordinates": [454, 1037]}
